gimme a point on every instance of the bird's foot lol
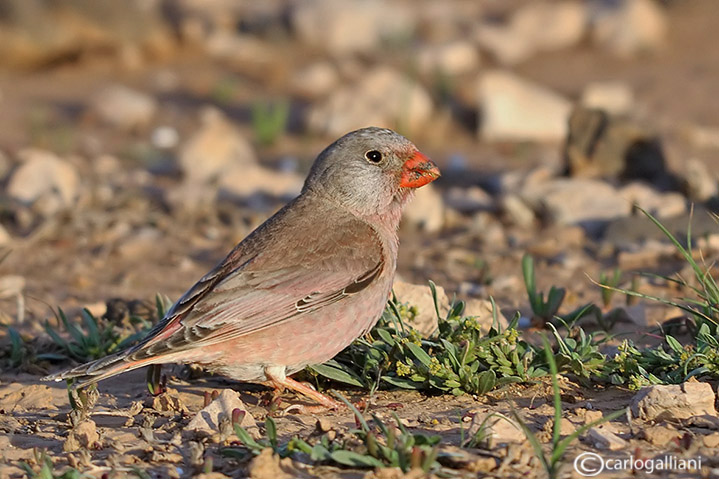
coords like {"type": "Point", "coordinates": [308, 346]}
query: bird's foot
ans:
{"type": "Point", "coordinates": [325, 402]}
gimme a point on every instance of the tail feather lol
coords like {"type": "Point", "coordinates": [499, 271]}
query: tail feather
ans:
{"type": "Point", "coordinates": [103, 368]}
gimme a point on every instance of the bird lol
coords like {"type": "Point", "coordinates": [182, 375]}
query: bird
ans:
{"type": "Point", "coordinates": [303, 285]}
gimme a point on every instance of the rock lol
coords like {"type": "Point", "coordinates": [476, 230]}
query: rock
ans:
{"type": "Point", "coordinates": [341, 27]}
{"type": "Point", "coordinates": [674, 402]}
{"type": "Point", "coordinates": [660, 205]}
{"type": "Point", "coordinates": [124, 107]}
{"type": "Point", "coordinates": [22, 398]}
{"type": "Point", "coordinates": [315, 81]}
{"type": "Point", "coordinates": [245, 52]}
{"type": "Point", "coordinates": [711, 440]}
{"type": "Point", "coordinates": [449, 59]}
{"type": "Point", "coordinates": [514, 109]}
{"type": "Point", "coordinates": [38, 33]}
{"type": "Point", "coordinates": [516, 211]}
{"type": "Point", "coordinates": [208, 419]}
{"type": "Point", "coordinates": [660, 435]}
{"type": "Point", "coordinates": [5, 237]}
{"type": "Point", "coordinates": [482, 311]}
{"type": "Point", "coordinates": [168, 401]}
{"type": "Point", "coordinates": [44, 180]}
{"type": "Point", "coordinates": [83, 436]}
{"type": "Point", "coordinates": [698, 182]}
{"type": "Point", "coordinates": [535, 27]}
{"type": "Point", "coordinates": [469, 200]}
{"type": "Point", "coordinates": [382, 97]}
{"type": "Point", "coordinates": [165, 137]}
{"type": "Point", "coordinates": [616, 98]}
{"type": "Point", "coordinates": [256, 179]}
{"type": "Point", "coordinates": [426, 210]}
{"type": "Point", "coordinates": [602, 438]}
{"type": "Point", "coordinates": [495, 430]}
{"type": "Point", "coordinates": [420, 296]}
{"type": "Point", "coordinates": [584, 202]}
{"type": "Point", "coordinates": [628, 27]}
{"type": "Point", "coordinates": [602, 146]}
{"type": "Point", "coordinates": [215, 149]}
{"type": "Point", "coordinates": [268, 465]}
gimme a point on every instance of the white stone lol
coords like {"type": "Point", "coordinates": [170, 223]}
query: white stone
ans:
{"type": "Point", "coordinates": [536, 27]}
{"type": "Point", "coordinates": [629, 27]}
{"type": "Point", "coordinates": [613, 97]}
{"type": "Point", "coordinates": [514, 109]}
{"type": "Point", "coordinates": [351, 26]}
{"type": "Point", "coordinates": [382, 97]}
{"type": "Point", "coordinates": [451, 58]}
{"type": "Point", "coordinates": [425, 210]}
{"type": "Point", "coordinates": [316, 80]}
{"type": "Point", "coordinates": [45, 179]}
{"type": "Point", "coordinates": [661, 205]}
{"type": "Point", "coordinates": [700, 183]}
{"type": "Point", "coordinates": [605, 439]}
{"type": "Point", "coordinates": [216, 148]}
{"type": "Point", "coordinates": [674, 402]}
{"type": "Point", "coordinates": [124, 107]}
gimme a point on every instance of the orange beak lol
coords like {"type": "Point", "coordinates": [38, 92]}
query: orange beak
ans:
{"type": "Point", "coordinates": [418, 171]}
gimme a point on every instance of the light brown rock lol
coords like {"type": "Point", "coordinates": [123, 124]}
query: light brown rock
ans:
{"type": "Point", "coordinates": [674, 401]}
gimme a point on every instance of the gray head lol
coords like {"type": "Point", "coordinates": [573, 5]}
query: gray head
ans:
{"type": "Point", "coordinates": [367, 170]}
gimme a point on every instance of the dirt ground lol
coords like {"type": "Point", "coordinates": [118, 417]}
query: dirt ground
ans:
{"type": "Point", "coordinates": [83, 260]}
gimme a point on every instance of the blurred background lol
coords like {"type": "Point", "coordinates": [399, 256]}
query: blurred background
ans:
{"type": "Point", "coordinates": [140, 140]}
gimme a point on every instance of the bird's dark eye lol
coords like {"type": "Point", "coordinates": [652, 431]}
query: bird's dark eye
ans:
{"type": "Point", "coordinates": [373, 156]}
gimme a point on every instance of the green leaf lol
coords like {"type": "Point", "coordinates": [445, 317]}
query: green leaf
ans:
{"type": "Point", "coordinates": [487, 381]}
{"type": "Point", "coordinates": [337, 372]}
{"type": "Point", "coordinates": [420, 354]}
{"type": "Point", "coordinates": [353, 459]}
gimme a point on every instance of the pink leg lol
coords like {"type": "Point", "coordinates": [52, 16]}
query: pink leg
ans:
{"type": "Point", "coordinates": [307, 391]}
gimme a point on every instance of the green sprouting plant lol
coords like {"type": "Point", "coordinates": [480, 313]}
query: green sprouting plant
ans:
{"type": "Point", "coordinates": [552, 462]}
{"type": "Point", "coordinates": [366, 447]}
{"type": "Point", "coordinates": [610, 283]}
{"type": "Point", "coordinates": [45, 469]}
{"type": "Point", "coordinates": [578, 352]}
{"type": "Point", "coordinates": [457, 358]}
{"type": "Point", "coordinates": [269, 120]}
{"type": "Point", "coordinates": [541, 308]}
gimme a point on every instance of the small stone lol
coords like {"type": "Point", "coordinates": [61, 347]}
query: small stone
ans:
{"type": "Point", "coordinates": [533, 28]}
{"type": "Point", "coordinates": [268, 465]}
{"type": "Point", "coordinates": [592, 416]}
{"type": "Point", "coordinates": [514, 109]}
{"type": "Point", "coordinates": [699, 183]}
{"type": "Point", "coordinates": [381, 97]}
{"type": "Point", "coordinates": [496, 430]}
{"type": "Point", "coordinates": [44, 180]}
{"type": "Point", "coordinates": [674, 401]}
{"type": "Point", "coordinates": [168, 401]}
{"type": "Point", "coordinates": [124, 107]}
{"type": "Point", "coordinates": [450, 59]}
{"type": "Point", "coordinates": [82, 436]}
{"type": "Point", "coordinates": [426, 210]}
{"type": "Point", "coordinates": [629, 27]}
{"type": "Point", "coordinates": [613, 97]}
{"type": "Point", "coordinates": [323, 425]}
{"type": "Point", "coordinates": [660, 205]}
{"type": "Point", "coordinates": [604, 439]}
{"type": "Point", "coordinates": [711, 440]}
{"type": "Point", "coordinates": [660, 435]}
{"type": "Point", "coordinates": [316, 80]}
{"type": "Point", "coordinates": [208, 419]}
{"type": "Point", "coordinates": [165, 137]}
{"type": "Point", "coordinates": [516, 211]}
{"type": "Point", "coordinates": [420, 296]}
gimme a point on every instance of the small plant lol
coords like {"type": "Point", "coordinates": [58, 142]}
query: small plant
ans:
{"type": "Point", "coordinates": [365, 447]}
{"type": "Point", "coordinates": [542, 309]}
{"type": "Point", "coordinates": [269, 120]}
{"type": "Point", "coordinates": [45, 469]}
{"type": "Point", "coordinates": [609, 285]}
{"type": "Point", "coordinates": [552, 462]}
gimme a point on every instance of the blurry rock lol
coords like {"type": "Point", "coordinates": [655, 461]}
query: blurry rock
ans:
{"type": "Point", "coordinates": [495, 429]}
{"type": "Point", "coordinates": [451, 58]}
{"type": "Point", "coordinates": [514, 109]}
{"type": "Point", "coordinates": [469, 200]}
{"type": "Point", "coordinates": [268, 465]}
{"type": "Point", "coordinates": [426, 210]}
{"type": "Point", "coordinates": [123, 107]}
{"type": "Point", "coordinates": [616, 98]}
{"type": "Point", "coordinates": [675, 401]}
{"type": "Point", "coordinates": [702, 136]}
{"type": "Point", "coordinates": [516, 211]}
{"type": "Point", "coordinates": [535, 27]}
{"type": "Point", "coordinates": [44, 181]}
{"type": "Point", "coordinates": [83, 436]}
{"type": "Point", "coordinates": [351, 26]}
{"type": "Point", "coordinates": [382, 97]}
{"type": "Point", "coordinates": [165, 137]}
{"type": "Point", "coordinates": [603, 438]}
{"type": "Point", "coordinates": [36, 33]}
{"type": "Point", "coordinates": [588, 203]}
{"type": "Point", "coordinates": [660, 435]}
{"type": "Point", "coordinates": [699, 184]}
{"type": "Point", "coordinates": [420, 296]}
{"type": "Point", "coordinates": [19, 398]}
{"type": "Point", "coordinates": [256, 179]}
{"type": "Point", "coordinates": [599, 145]}
{"type": "Point", "coordinates": [629, 27]}
{"type": "Point", "coordinates": [316, 80]}
{"type": "Point", "coordinates": [208, 419]}
{"type": "Point", "coordinates": [242, 51]}
{"type": "Point", "coordinates": [214, 149]}
{"type": "Point", "coordinates": [661, 205]}
{"type": "Point", "coordinates": [482, 311]}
